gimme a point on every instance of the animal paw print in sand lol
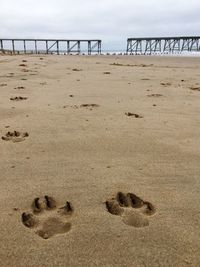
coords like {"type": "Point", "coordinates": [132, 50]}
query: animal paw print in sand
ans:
{"type": "Point", "coordinates": [46, 219]}
{"type": "Point", "coordinates": [15, 136]}
{"type": "Point", "coordinates": [18, 98]}
{"type": "Point", "coordinates": [133, 210]}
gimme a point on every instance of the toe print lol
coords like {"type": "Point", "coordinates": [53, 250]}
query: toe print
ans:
{"type": "Point", "coordinates": [28, 219]}
{"type": "Point", "coordinates": [46, 219]}
{"type": "Point", "coordinates": [133, 210]}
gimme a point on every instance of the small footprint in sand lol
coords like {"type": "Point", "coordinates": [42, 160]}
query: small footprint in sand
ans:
{"type": "Point", "coordinates": [194, 88]}
{"type": "Point", "coordinates": [18, 98]}
{"type": "Point", "coordinates": [133, 114]}
{"type": "Point", "coordinates": [77, 69]}
{"type": "Point", "coordinates": [3, 84]}
{"type": "Point", "coordinates": [165, 83]}
{"type": "Point", "coordinates": [133, 210]}
{"type": "Point", "coordinates": [154, 95]}
{"type": "Point", "coordinates": [89, 105]}
{"type": "Point", "coordinates": [106, 72]}
{"type": "Point", "coordinates": [15, 136]}
{"type": "Point", "coordinates": [19, 87]}
{"type": "Point", "coordinates": [46, 219]}
{"type": "Point", "coordinates": [25, 70]}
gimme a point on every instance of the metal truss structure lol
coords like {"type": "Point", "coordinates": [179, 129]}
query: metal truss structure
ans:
{"type": "Point", "coordinates": [155, 45]}
{"type": "Point", "coordinates": [50, 46]}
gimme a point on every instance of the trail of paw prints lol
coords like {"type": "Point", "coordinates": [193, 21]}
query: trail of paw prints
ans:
{"type": "Point", "coordinates": [46, 220]}
{"type": "Point", "coordinates": [15, 136]}
{"type": "Point", "coordinates": [133, 210]}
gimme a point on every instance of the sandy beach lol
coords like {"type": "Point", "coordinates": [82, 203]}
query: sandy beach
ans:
{"type": "Point", "coordinates": [100, 161]}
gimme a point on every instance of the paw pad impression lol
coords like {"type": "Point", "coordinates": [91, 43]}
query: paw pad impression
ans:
{"type": "Point", "coordinates": [46, 218]}
{"type": "Point", "coordinates": [133, 210]}
{"type": "Point", "coordinates": [15, 136]}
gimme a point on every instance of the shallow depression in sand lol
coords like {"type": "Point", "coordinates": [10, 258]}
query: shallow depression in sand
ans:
{"type": "Point", "coordinates": [136, 220]}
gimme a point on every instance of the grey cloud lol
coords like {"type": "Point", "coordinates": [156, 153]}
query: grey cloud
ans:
{"type": "Point", "coordinates": [111, 20]}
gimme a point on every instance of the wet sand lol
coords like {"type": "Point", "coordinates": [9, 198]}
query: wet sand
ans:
{"type": "Point", "coordinates": [99, 161]}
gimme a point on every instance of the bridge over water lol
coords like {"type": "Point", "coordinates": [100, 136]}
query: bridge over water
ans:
{"type": "Point", "coordinates": [153, 45]}
{"type": "Point", "coordinates": [50, 46]}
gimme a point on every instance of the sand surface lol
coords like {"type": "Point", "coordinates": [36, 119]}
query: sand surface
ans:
{"type": "Point", "coordinates": [87, 154]}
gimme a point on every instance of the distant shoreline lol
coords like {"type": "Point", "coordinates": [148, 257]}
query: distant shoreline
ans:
{"type": "Point", "coordinates": [104, 53]}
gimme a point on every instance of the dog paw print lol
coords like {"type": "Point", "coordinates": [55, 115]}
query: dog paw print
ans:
{"type": "Point", "coordinates": [18, 98]}
{"type": "Point", "coordinates": [46, 219]}
{"type": "Point", "coordinates": [15, 136]}
{"type": "Point", "coordinates": [133, 210]}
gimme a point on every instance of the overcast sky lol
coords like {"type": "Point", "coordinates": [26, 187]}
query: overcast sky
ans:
{"type": "Point", "coordinates": [110, 20]}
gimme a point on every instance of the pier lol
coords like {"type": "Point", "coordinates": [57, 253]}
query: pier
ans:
{"type": "Point", "coordinates": [153, 45]}
{"type": "Point", "coordinates": [50, 46]}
